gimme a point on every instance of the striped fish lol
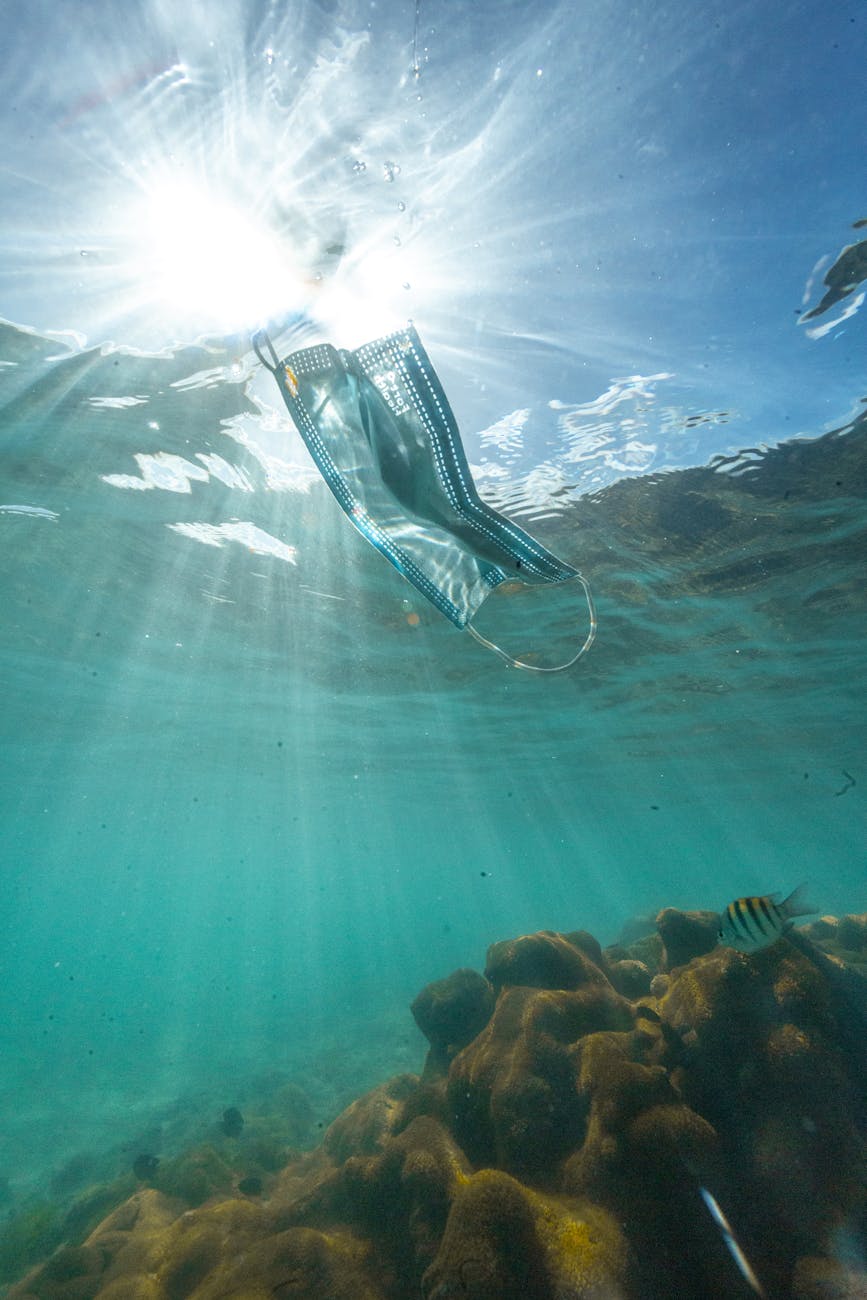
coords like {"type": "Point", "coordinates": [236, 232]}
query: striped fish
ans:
{"type": "Point", "coordinates": [750, 924]}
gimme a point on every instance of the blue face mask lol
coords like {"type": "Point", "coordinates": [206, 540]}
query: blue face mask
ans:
{"type": "Point", "coordinates": [379, 427]}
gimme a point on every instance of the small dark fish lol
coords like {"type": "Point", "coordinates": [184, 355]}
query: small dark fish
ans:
{"type": "Point", "coordinates": [750, 924]}
{"type": "Point", "coordinates": [250, 1186]}
{"type": "Point", "coordinates": [232, 1122]}
{"type": "Point", "coordinates": [144, 1167]}
{"type": "Point", "coordinates": [850, 781]}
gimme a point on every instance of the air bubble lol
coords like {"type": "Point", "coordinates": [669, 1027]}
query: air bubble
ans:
{"type": "Point", "coordinates": [390, 170]}
{"type": "Point", "coordinates": [401, 207]}
{"type": "Point", "coordinates": [358, 166]}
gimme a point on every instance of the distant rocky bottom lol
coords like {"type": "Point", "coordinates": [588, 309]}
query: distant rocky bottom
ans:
{"type": "Point", "coordinates": [664, 1118]}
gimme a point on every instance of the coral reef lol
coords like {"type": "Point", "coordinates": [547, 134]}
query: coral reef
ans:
{"type": "Point", "coordinates": [586, 1123]}
{"type": "Point", "coordinates": [451, 1012]}
{"type": "Point", "coordinates": [685, 935]}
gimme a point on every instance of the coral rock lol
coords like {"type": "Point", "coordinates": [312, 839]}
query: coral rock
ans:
{"type": "Point", "coordinates": [773, 1065]}
{"type": "Point", "coordinates": [364, 1127]}
{"type": "Point", "coordinates": [638, 1126]}
{"type": "Point", "coordinates": [543, 961]}
{"type": "Point", "coordinates": [852, 932]}
{"type": "Point", "coordinates": [631, 978]}
{"type": "Point", "coordinates": [72, 1273]}
{"type": "Point", "coordinates": [686, 935]}
{"type": "Point", "coordinates": [737, 1087]}
{"type": "Point", "coordinates": [505, 1242]}
{"type": "Point", "coordinates": [401, 1198]}
{"type": "Point", "coordinates": [589, 945]}
{"type": "Point", "coordinates": [147, 1211]}
{"type": "Point", "coordinates": [451, 1012]}
{"type": "Point", "coordinates": [824, 928]}
{"type": "Point", "coordinates": [648, 949]}
{"type": "Point", "coordinates": [134, 1287]}
{"type": "Point", "coordinates": [512, 1092]}
{"type": "Point", "coordinates": [194, 1176]}
{"type": "Point", "coordinates": [302, 1263]}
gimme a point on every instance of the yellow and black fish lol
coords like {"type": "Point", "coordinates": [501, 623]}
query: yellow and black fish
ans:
{"type": "Point", "coordinates": [750, 924]}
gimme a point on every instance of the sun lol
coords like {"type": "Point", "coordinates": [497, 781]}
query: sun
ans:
{"type": "Point", "coordinates": [203, 257]}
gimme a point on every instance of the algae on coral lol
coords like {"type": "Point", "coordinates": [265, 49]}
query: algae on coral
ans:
{"type": "Point", "coordinates": [558, 1153]}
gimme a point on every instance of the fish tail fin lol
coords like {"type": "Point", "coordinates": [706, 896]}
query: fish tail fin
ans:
{"type": "Point", "coordinates": [797, 903]}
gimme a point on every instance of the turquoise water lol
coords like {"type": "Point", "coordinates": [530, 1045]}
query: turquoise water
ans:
{"type": "Point", "coordinates": [250, 807]}
{"type": "Point", "coordinates": [255, 793]}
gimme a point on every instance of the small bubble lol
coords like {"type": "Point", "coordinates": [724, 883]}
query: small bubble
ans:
{"type": "Point", "coordinates": [406, 284]}
{"type": "Point", "coordinates": [359, 166]}
{"type": "Point", "coordinates": [390, 170]}
{"type": "Point", "coordinates": [396, 239]}
{"type": "Point", "coordinates": [401, 207]}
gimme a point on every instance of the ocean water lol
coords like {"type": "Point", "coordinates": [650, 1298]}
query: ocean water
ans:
{"type": "Point", "coordinates": [255, 792]}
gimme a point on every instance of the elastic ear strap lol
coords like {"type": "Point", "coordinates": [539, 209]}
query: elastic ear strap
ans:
{"type": "Point", "coordinates": [263, 339]}
{"type": "Point", "coordinates": [535, 668]}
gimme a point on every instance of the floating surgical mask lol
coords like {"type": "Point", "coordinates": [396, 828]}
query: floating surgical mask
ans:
{"type": "Point", "coordinates": [379, 427]}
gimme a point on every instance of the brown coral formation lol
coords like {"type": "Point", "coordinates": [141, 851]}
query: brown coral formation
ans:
{"type": "Point", "coordinates": [580, 1116]}
{"type": "Point", "coordinates": [685, 935]}
{"type": "Point", "coordinates": [451, 1012]}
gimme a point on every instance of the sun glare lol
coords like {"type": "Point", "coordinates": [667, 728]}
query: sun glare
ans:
{"type": "Point", "coordinates": [205, 259]}
{"type": "Point", "coordinates": [282, 185]}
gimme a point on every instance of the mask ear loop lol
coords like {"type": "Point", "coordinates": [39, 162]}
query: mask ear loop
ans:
{"type": "Point", "coordinates": [535, 668]}
{"type": "Point", "coordinates": [263, 339]}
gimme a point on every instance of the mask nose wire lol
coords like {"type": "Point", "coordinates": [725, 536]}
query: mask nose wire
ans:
{"type": "Point", "coordinates": [536, 668]}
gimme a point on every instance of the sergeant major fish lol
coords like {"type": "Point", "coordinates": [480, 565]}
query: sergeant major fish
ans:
{"type": "Point", "coordinates": [750, 924]}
